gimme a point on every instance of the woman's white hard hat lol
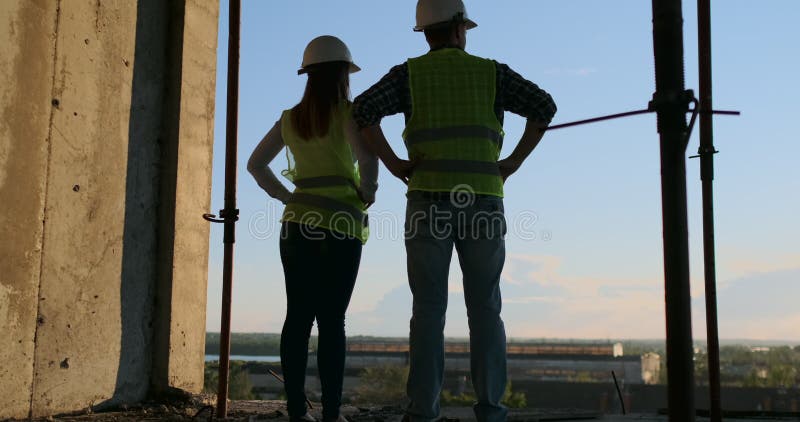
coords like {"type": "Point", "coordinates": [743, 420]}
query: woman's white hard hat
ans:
{"type": "Point", "coordinates": [434, 12]}
{"type": "Point", "coordinates": [326, 48]}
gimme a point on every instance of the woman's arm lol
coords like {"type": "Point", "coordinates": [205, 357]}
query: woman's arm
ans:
{"type": "Point", "coordinates": [367, 163]}
{"type": "Point", "coordinates": [257, 165]}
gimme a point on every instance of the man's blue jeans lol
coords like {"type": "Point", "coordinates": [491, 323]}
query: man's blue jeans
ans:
{"type": "Point", "coordinates": [476, 227]}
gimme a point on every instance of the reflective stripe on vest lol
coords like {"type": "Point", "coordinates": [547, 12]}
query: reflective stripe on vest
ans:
{"type": "Point", "coordinates": [459, 166]}
{"type": "Point", "coordinates": [329, 204]}
{"type": "Point", "coordinates": [444, 133]}
{"type": "Point", "coordinates": [324, 182]}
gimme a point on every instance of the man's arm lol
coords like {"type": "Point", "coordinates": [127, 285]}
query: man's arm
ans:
{"type": "Point", "coordinates": [390, 95]}
{"type": "Point", "coordinates": [376, 141]}
{"type": "Point", "coordinates": [523, 97]}
{"type": "Point", "coordinates": [530, 139]}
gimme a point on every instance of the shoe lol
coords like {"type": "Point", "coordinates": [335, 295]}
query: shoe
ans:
{"type": "Point", "coordinates": [339, 419]}
{"type": "Point", "coordinates": [305, 418]}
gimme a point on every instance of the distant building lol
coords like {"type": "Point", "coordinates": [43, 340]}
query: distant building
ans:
{"type": "Point", "coordinates": [593, 349]}
{"type": "Point", "coordinates": [527, 363]}
{"type": "Point", "coordinates": [580, 362]}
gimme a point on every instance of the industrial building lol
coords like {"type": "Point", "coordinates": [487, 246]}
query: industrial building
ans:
{"type": "Point", "coordinates": [592, 362]}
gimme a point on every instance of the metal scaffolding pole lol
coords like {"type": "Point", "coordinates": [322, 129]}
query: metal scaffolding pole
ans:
{"type": "Point", "coordinates": [671, 102]}
{"type": "Point", "coordinates": [706, 153]}
{"type": "Point", "coordinates": [229, 215]}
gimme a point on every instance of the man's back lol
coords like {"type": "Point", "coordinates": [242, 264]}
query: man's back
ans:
{"type": "Point", "coordinates": [453, 132]}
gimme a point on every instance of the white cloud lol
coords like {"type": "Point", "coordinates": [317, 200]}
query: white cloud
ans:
{"type": "Point", "coordinates": [541, 300]}
{"type": "Point", "coordinates": [533, 299]}
{"type": "Point", "coordinates": [523, 269]}
{"type": "Point", "coordinates": [784, 328]}
{"type": "Point", "coordinates": [742, 264]}
{"type": "Point", "coordinates": [546, 270]}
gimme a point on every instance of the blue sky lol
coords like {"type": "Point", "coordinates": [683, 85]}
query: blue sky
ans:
{"type": "Point", "coordinates": [584, 247]}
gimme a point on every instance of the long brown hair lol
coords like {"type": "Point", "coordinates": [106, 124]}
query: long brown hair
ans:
{"type": "Point", "coordinates": [327, 87]}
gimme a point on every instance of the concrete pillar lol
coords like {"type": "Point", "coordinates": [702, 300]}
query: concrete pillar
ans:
{"type": "Point", "coordinates": [82, 287]}
{"type": "Point", "coordinates": [106, 108]}
{"type": "Point", "coordinates": [27, 38]}
{"type": "Point", "coordinates": [185, 196]}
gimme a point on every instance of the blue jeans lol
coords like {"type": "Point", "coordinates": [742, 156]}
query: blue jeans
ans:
{"type": "Point", "coordinates": [476, 227]}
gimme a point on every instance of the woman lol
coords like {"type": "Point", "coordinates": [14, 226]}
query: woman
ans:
{"type": "Point", "coordinates": [324, 222]}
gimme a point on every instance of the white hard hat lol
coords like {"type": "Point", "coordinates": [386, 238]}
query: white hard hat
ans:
{"type": "Point", "coordinates": [326, 48]}
{"type": "Point", "coordinates": [432, 12]}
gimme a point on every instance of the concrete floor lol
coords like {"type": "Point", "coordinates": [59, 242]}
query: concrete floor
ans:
{"type": "Point", "coordinates": [537, 415]}
{"type": "Point", "coordinates": [652, 418]}
{"type": "Point", "coordinates": [275, 411]}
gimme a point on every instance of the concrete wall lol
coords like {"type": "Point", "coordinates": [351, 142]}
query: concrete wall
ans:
{"type": "Point", "coordinates": [106, 108]}
{"type": "Point", "coordinates": [27, 39]}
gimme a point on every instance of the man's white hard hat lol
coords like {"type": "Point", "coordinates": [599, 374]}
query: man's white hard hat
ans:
{"type": "Point", "coordinates": [326, 48]}
{"type": "Point", "coordinates": [433, 12]}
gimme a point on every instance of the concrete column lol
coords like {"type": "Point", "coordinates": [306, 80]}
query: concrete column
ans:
{"type": "Point", "coordinates": [27, 41]}
{"type": "Point", "coordinates": [105, 166]}
{"type": "Point", "coordinates": [185, 196]}
{"type": "Point", "coordinates": [82, 287]}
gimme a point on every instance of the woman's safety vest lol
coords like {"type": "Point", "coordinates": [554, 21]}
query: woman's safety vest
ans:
{"type": "Point", "coordinates": [325, 177]}
{"type": "Point", "coordinates": [453, 130]}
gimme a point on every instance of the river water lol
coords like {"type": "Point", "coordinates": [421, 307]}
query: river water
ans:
{"type": "Point", "coordinates": [247, 358]}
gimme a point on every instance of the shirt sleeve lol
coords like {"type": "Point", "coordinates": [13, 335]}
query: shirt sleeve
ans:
{"type": "Point", "coordinates": [523, 97]}
{"type": "Point", "coordinates": [258, 164]}
{"type": "Point", "coordinates": [388, 96]}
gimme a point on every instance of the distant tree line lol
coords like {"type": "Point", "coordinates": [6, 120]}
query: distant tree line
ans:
{"type": "Point", "coordinates": [743, 366]}
{"type": "Point", "coordinates": [251, 344]}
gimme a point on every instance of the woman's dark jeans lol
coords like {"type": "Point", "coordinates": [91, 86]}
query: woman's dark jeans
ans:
{"type": "Point", "coordinates": [320, 269]}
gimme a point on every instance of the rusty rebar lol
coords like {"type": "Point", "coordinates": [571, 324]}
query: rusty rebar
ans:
{"type": "Point", "coordinates": [230, 214]}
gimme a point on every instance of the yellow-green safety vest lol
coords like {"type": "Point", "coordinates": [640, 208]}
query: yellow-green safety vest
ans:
{"type": "Point", "coordinates": [325, 176]}
{"type": "Point", "coordinates": [453, 130]}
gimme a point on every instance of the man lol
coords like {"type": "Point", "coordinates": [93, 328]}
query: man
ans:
{"type": "Point", "coordinates": [454, 103]}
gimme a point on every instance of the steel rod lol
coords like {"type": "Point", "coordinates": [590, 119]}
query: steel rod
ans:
{"type": "Point", "coordinates": [619, 393]}
{"type": "Point", "coordinates": [628, 114]}
{"type": "Point", "coordinates": [229, 214]}
{"type": "Point", "coordinates": [706, 152]}
{"type": "Point", "coordinates": [599, 119]}
{"type": "Point", "coordinates": [282, 381]}
{"type": "Point", "coordinates": [671, 104]}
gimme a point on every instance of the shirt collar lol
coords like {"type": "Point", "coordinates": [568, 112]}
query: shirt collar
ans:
{"type": "Point", "coordinates": [442, 47]}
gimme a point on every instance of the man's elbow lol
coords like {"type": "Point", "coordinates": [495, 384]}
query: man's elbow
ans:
{"type": "Point", "coordinates": [552, 107]}
{"type": "Point", "coordinates": [252, 167]}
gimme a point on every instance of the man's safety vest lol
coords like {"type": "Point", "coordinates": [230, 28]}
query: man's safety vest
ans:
{"type": "Point", "coordinates": [325, 176]}
{"type": "Point", "coordinates": [453, 130]}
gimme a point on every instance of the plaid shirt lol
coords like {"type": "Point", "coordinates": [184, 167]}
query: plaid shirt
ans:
{"type": "Point", "coordinates": [392, 95]}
